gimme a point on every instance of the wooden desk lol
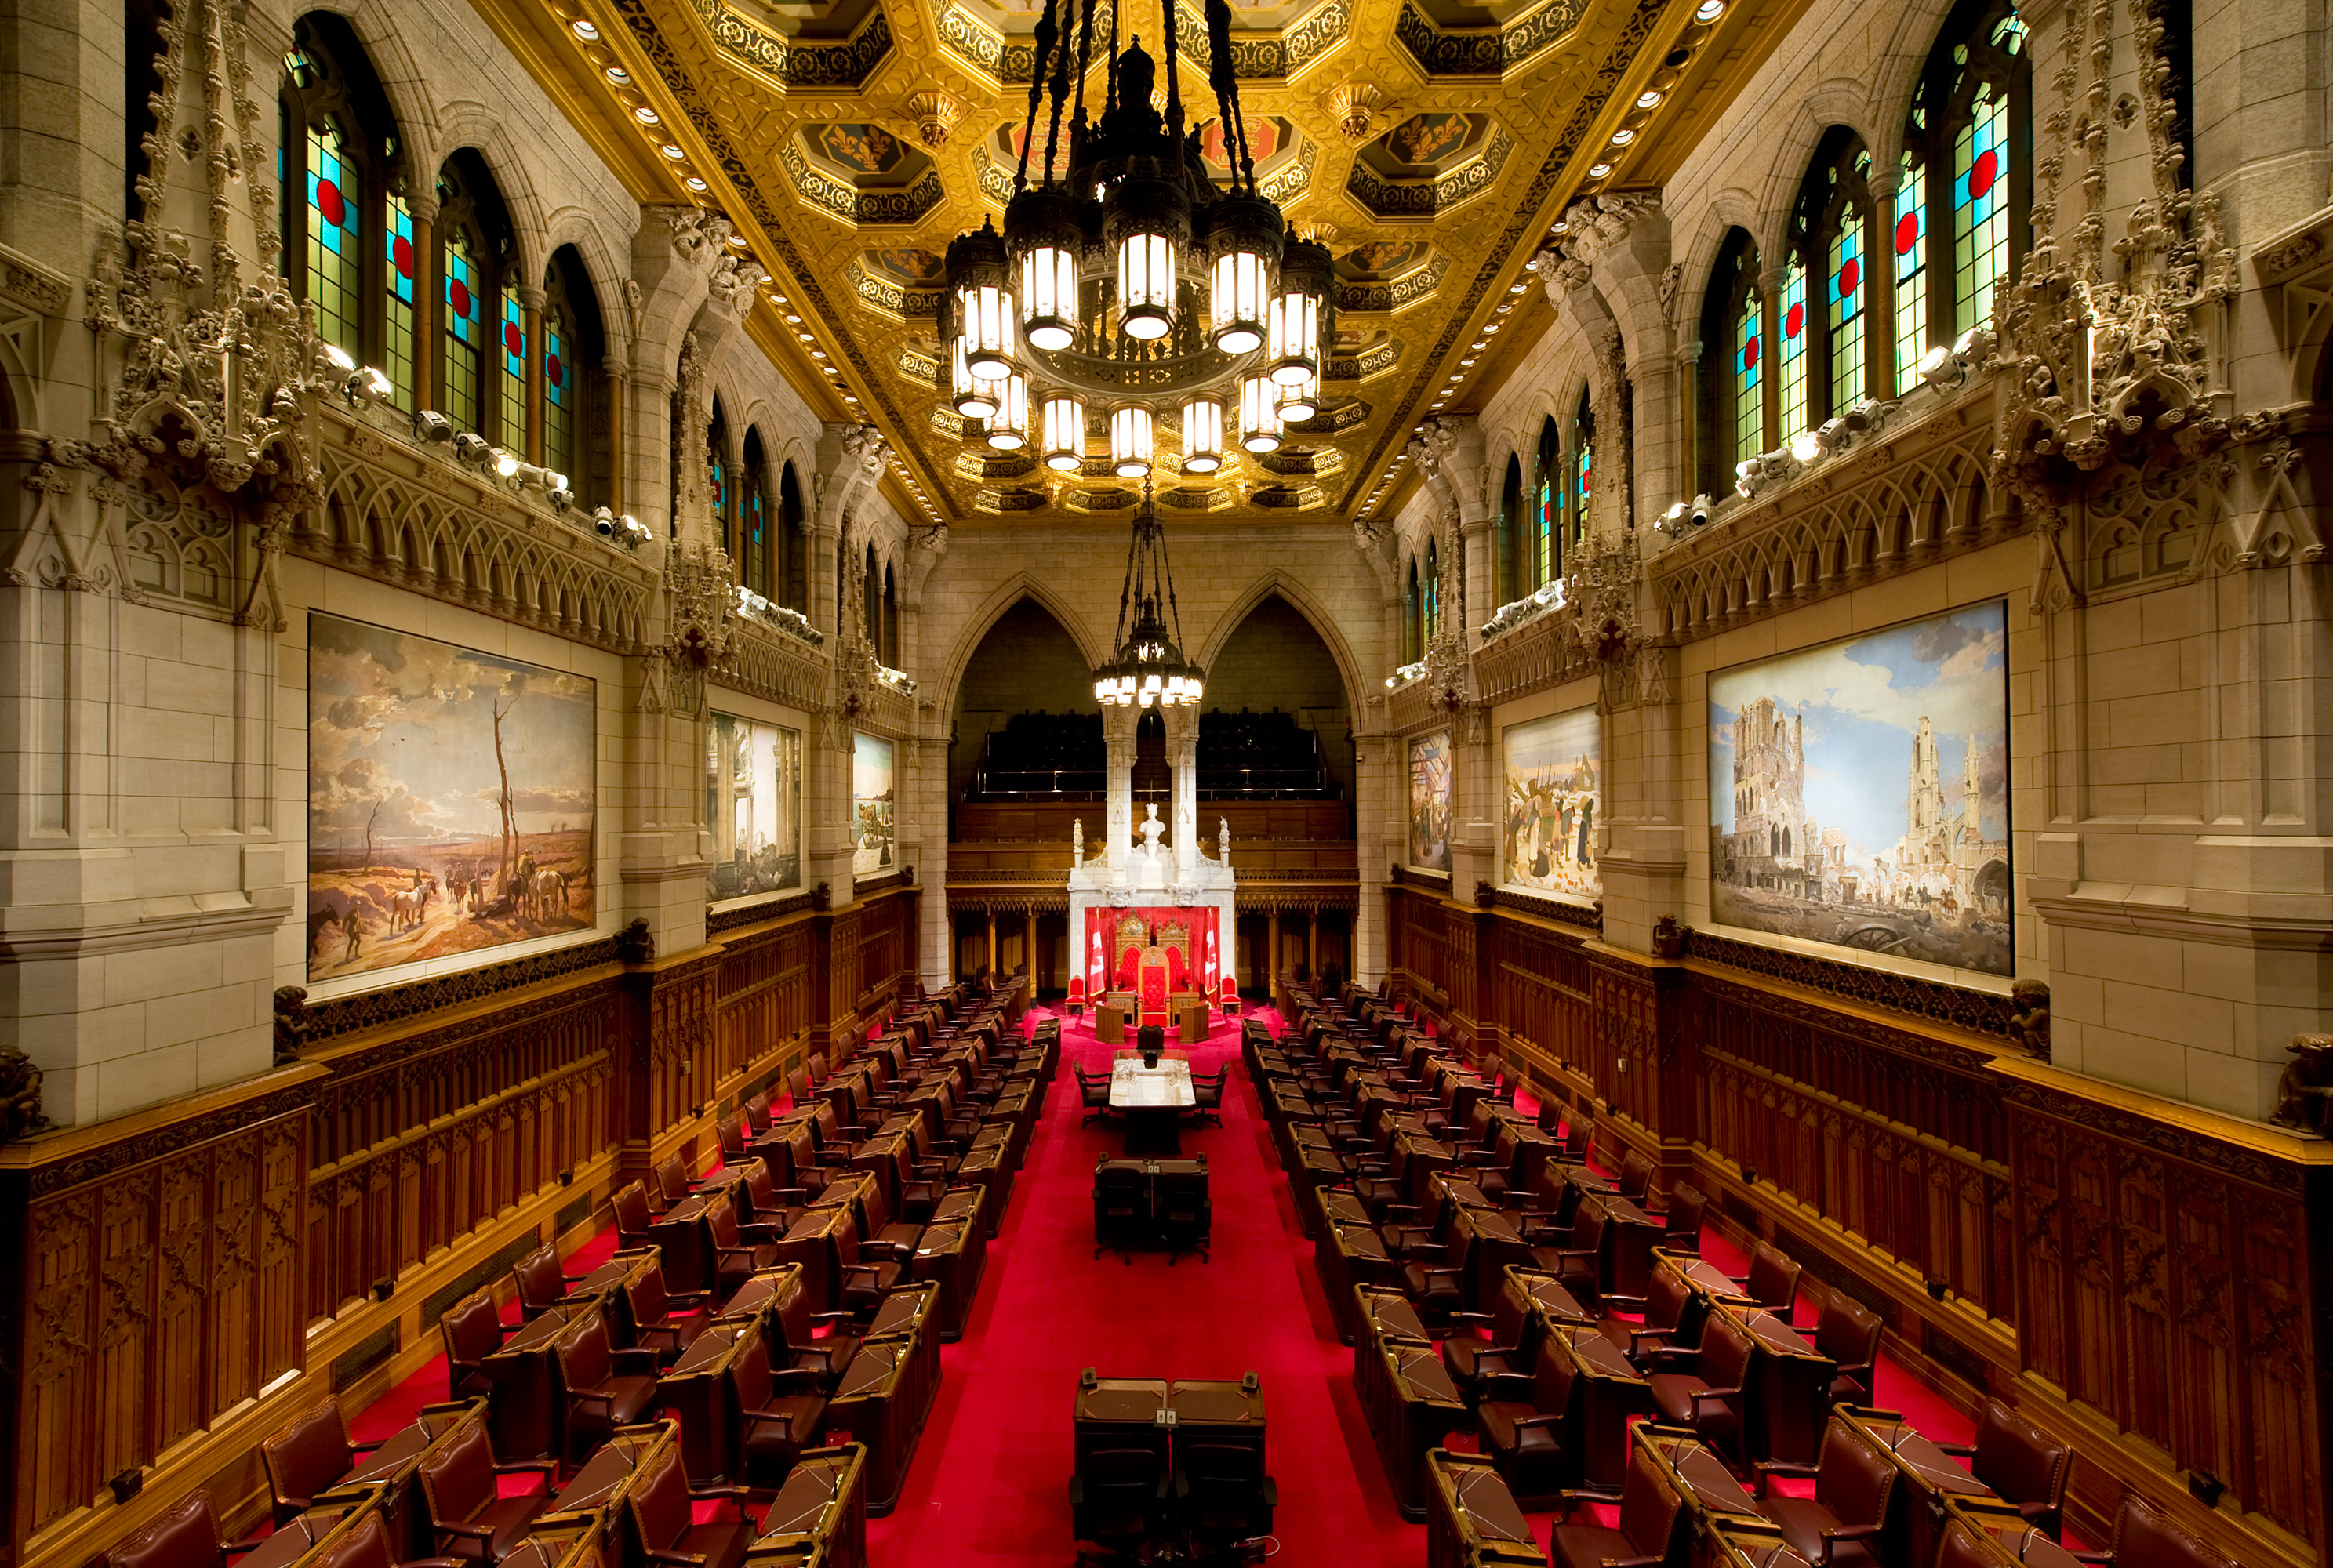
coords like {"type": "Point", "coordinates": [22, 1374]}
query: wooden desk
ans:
{"type": "Point", "coordinates": [876, 1403]}
{"type": "Point", "coordinates": [608, 1288]}
{"type": "Point", "coordinates": [391, 1475]}
{"type": "Point", "coordinates": [810, 1244]}
{"type": "Point", "coordinates": [1218, 1410]}
{"type": "Point", "coordinates": [1151, 1101]}
{"type": "Point", "coordinates": [1607, 1393]}
{"type": "Point", "coordinates": [779, 1290]}
{"type": "Point", "coordinates": [1110, 1023]}
{"type": "Point", "coordinates": [818, 1516]}
{"type": "Point", "coordinates": [1699, 1477]}
{"type": "Point", "coordinates": [699, 1396]}
{"type": "Point", "coordinates": [593, 1498]}
{"type": "Point", "coordinates": [1412, 1407]}
{"type": "Point", "coordinates": [952, 1255]}
{"type": "Point", "coordinates": [2000, 1542]}
{"type": "Point", "coordinates": [1497, 1246]}
{"type": "Point", "coordinates": [1789, 1397]}
{"type": "Point", "coordinates": [1473, 1521]}
{"type": "Point", "coordinates": [1629, 1237]}
{"type": "Point", "coordinates": [1346, 1255]}
{"type": "Point", "coordinates": [1549, 1302]}
{"type": "Point", "coordinates": [527, 1409]}
{"type": "Point", "coordinates": [680, 1233]}
{"type": "Point", "coordinates": [295, 1541]}
{"type": "Point", "coordinates": [1926, 1479]}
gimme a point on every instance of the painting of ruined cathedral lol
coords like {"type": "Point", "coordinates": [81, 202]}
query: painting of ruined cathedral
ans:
{"type": "Point", "coordinates": [1554, 803]}
{"type": "Point", "coordinates": [753, 807]}
{"type": "Point", "coordinates": [1859, 793]}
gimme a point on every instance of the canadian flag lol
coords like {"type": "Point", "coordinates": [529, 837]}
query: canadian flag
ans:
{"type": "Point", "coordinates": [1208, 989]}
{"type": "Point", "coordinates": [1096, 962]}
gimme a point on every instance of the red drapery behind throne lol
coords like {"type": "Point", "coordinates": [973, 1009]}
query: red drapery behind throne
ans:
{"type": "Point", "coordinates": [1115, 951]}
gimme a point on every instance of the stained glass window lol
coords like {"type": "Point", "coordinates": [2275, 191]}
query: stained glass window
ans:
{"type": "Point", "coordinates": [400, 267]}
{"type": "Point", "coordinates": [558, 400]}
{"type": "Point", "coordinates": [1546, 521]}
{"type": "Point", "coordinates": [464, 332]}
{"type": "Point", "coordinates": [1911, 237]}
{"type": "Point", "coordinates": [1968, 139]}
{"type": "Point", "coordinates": [1979, 207]}
{"type": "Point", "coordinates": [513, 428]}
{"type": "Point", "coordinates": [1433, 588]}
{"type": "Point", "coordinates": [1795, 337]}
{"type": "Point", "coordinates": [1843, 297]}
{"type": "Point", "coordinates": [335, 226]}
{"type": "Point", "coordinates": [1749, 389]}
{"type": "Point", "coordinates": [1579, 473]}
{"type": "Point", "coordinates": [757, 536]}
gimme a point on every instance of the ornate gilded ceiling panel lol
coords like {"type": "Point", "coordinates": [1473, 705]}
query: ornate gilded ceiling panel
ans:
{"type": "Point", "coordinates": [1432, 176]}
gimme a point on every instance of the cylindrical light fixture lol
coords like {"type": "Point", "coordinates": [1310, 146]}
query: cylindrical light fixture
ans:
{"type": "Point", "coordinates": [1203, 435]}
{"type": "Point", "coordinates": [974, 398]}
{"type": "Point", "coordinates": [1297, 400]}
{"type": "Point", "coordinates": [1146, 223]}
{"type": "Point", "coordinates": [1042, 232]}
{"type": "Point", "coordinates": [982, 303]}
{"type": "Point", "coordinates": [1293, 324]}
{"type": "Point", "coordinates": [1008, 428]}
{"type": "Point", "coordinates": [1258, 417]}
{"type": "Point", "coordinates": [1132, 437]}
{"type": "Point", "coordinates": [1064, 435]}
{"type": "Point", "coordinates": [1243, 240]}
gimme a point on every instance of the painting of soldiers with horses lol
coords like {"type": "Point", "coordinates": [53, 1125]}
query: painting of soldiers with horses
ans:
{"type": "Point", "coordinates": [450, 800]}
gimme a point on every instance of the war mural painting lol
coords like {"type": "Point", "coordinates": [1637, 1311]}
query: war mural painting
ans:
{"type": "Point", "coordinates": [872, 849]}
{"type": "Point", "coordinates": [1859, 792]}
{"type": "Point", "coordinates": [450, 800]}
{"type": "Point", "coordinates": [1430, 803]}
{"type": "Point", "coordinates": [1553, 805]}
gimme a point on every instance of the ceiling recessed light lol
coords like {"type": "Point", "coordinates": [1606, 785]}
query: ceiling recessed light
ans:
{"type": "Point", "coordinates": [672, 152]}
{"type": "Point", "coordinates": [1490, 329]}
{"type": "Point", "coordinates": [1478, 345]}
{"type": "Point", "coordinates": [696, 182]}
{"type": "Point", "coordinates": [1464, 364]}
{"type": "Point", "coordinates": [1711, 10]}
{"type": "Point", "coordinates": [647, 115]}
{"type": "Point", "coordinates": [791, 319]}
{"type": "Point", "coordinates": [805, 337]}
{"type": "Point", "coordinates": [1648, 100]}
{"type": "Point", "coordinates": [1518, 288]}
{"type": "Point", "coordinates": [818, 353]}
{"type": "Point", "coordinates": [1562, 226]}
{"type": "Point", "coordinates": [738, 241]}
{"type": "Point", "coordinates": [585, 31]}
{"type": "Point", "coordinates": [1598, 170]}
{"type": "Point", "coordinates": [1623, 137]}
{"type": "Point", "coordinates": [619, 76]}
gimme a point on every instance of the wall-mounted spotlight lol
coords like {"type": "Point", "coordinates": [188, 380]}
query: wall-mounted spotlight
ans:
{"type": "Point", "coordinates": [561, 499]}
{"type": "Point", "coordinates": [430, 425]}
{"type": "Point", "coordinates": [1940, 368]}
{"type": "Point", "coordinates": [473, 449]}
{"type": "Point", "coordinates": [366, 384]}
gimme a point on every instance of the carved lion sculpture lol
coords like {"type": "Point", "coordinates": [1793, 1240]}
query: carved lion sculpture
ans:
{"type": "Point", "coordinates": [2304, 1095]}
{"type": "Point", "coordinates": [20, 1096]}
{"type": "Point", "coordinates": [2029, 1017]}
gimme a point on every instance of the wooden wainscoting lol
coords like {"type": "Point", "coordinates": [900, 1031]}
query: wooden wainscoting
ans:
{"type": "Point", "coordinates": [2144, 1278]}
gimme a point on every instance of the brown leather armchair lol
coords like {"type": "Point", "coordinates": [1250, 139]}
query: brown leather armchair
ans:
{"type": "Point", "coordinates": [1666, 1299]}
{"type": "Point", "coordinates": [471, 1330]}
{"type": "Point", "coordinates": [1681, 1221]}
{"type": "Point", "coordinates": [672, 1183]}
{"type": "Point", "coordinates": [2016, 1459]}
{"type": "Point", "coordinates": [367, 1545]}
{"type": "Point", "coordinates": [864, 1278]}
{"type": "Point", "coordinates": [1433, 1275]}
{"type": "Point", "coordinates": [735, 1255]}
{"type": "Point", "coordinates": [461, 1487]}
{"type": "Point", "coordinates": [309, 1457]}
{"type": "Point", "coordinates": [1578, 1265]}
{"type": "Point", "coordinates": [2145, 1538]}
{"type": "Point", "coordinates": [1222, 1492]}
{"type": "Point", "coordinates": [1095, 1095]}
{"type": "Point", "coordinates": [1482, 1345]}
{"type": "Point", "coordinates": [1528, 1429]}
{"type": "Point", "coordinates": [1119, 1496]}
{"type": "Point", "coordinates": [1651, 1533]}
{"type": "Point", "coordinates": [1773, 1281]}
{"type": "Point", "coordinates": [779, 1410]}
{"type": "Point", "coordinates": [1849, 1334]}
{"type": "Point", "coordinates": [541, 1282]}
{"type": "Point", "coordinates": [756, 1110]}
{"type": "Point", "coordinates": [1714, 1398]}
{"type": "Point", "coordinates": [1838, 1526]}
{"type": "Point", "coordinates": [599, 1396]}
{"type": "Point", "coordinates": [733, 1135]}
{"type": "Point", "coordinates": [662, 1507]}
{"type": "Point", "coordinates": [1208, 1094]}
{"type": "Point", "coordinates": [633, 1220]}
{"type": "Point", "coordinates": [186, 1537]}
{"type": "Point", "coordinates": [655, 1325]}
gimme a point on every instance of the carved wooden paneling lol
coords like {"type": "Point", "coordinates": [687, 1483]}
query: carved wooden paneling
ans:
{"type": "Point", "coordinates": [764, 990]}
{"type": "Point", "coordinates": [2169, 1284]}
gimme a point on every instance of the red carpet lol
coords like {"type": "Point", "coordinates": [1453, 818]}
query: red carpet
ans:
{"type": "Point", "coordinates": [990, 1482]}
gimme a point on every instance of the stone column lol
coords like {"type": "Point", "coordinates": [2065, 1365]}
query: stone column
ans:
{"type": "Point", "coordinates": [1117, 784]}
{"type": "Point", "coordinates": [992, 943]}
{"type": "Point", "coordinates": [618, 388]}
{"type": "Point", "coordinates": [429, 284]}
{"type": "Point", "coordinates": [531, 301]}
{"type": "Point", "coordinates": [1312, 943]}
{"type": "Point", "coordinates": [1183, 771]}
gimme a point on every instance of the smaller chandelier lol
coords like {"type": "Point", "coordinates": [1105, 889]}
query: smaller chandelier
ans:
{"type": "Point", "coordinates": [1133, 436]}
{"type": "Point", "coordinates": [1259, 416]}
{"type": "Point", "coordinates": [1146, 223]}
{"type": "Point", "coordinates": [1245, 239]}
{"type": "Point", "coordinates": [1203, 435]}
{"type": "Point", "coordinates": [1041, 229]}
{"type": "Point", "coordinates": [1298, 401]}
{"type": "Point", "coordinates": [1008, 428]}
{"type": "Point", "coordinates": [983, 304]}
{"type": "Point", "coordinates": [974, 398]}
{"type": "Point", "coordinates": [1293, 322]}
{"type": "Point", "coordinates": [1148, 669]}
{"type": "Point", "coordinates": [1064, 435]}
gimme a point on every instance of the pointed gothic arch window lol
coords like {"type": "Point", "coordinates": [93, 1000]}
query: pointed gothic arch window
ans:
{"type": "Point", "coordinates": [1547, 493]}
{"type": "Point", "coordinates": [1413, 615]}
{"type": "Point", "coordinates": [1513, 568]}
{"type": "Point", "coordinates": [891, 618]}
{"type": "Point", "coordinates": [574, 349]}
{"type": "Point", "coordinates": [1733, 365]}
{"type": "Point", "coordinates": [339, 169]}
{"type": "Point", "coordinates": [792, 567]}
{"type": "Point", "coordinates": [1962, 213]}
{"type": "Point", "coordinates": [870, 606]}
{"type": "Point", "coordinates": [1579, 477]}
{"type": "Point", "coordinates": [1826, 363]}
{"type": "Point", "coordinates": [755, 524]}
{"type": "Point", "coordinates": [483, 345]}
{"type": "Point", "coordinates": [720, 480]}
{"type": "Point", "coordinates": [1430, 622]}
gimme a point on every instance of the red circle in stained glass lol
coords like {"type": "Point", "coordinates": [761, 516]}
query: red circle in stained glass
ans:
{"type": "Point", "coordinates": [1796, 319]}
{"type": "Point", "coordinates": [1907, 234]}
{"type": "Point", "coordinates": [554, 372]}
{"type": "Point", "coordinates": [514, 341]}
{"type": "Point", "coordinates": [1850, 273]}
{"type": "Point", "coordinates": [459, 292]}
{"type": "Point", "coordinates": [1749, 355]}
{"type": "Point", "coordinates": [331, 202]}
{"type": "Point", "coordinates": [401, 253]}
{"type": "Point", "coordinates": [1983, 172]}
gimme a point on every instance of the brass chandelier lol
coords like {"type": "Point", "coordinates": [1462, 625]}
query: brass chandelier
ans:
{"type": "Point", "coordinates": [1133, 287]}
{"type": "Point", "coordinates": [1148, 668]}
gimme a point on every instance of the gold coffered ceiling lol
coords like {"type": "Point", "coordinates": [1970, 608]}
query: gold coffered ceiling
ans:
{"type": "Point", "coordinates": [1430, 143]}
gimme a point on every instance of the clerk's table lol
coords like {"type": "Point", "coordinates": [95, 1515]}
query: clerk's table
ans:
{"type": "Point", "coordinates": [1152, 1101]}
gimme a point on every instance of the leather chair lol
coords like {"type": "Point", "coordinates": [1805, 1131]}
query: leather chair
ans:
{"type": "Point", "coordinates": [672, 1183]}
{"type": "Point", "coordinates": [779, 1410]}
{"type": "Point", "coordinates": [1119, 1496]}
{"type": "Point", "coordinates": [1121, 1199]}
{"type": "Point", "coordinates": [1849, 1334]}
{"type": "Point", "coordinates": [899, 1239]}
{"type": "Point", "coordinates": [1222, 1492]}
{"type": "Point", "coordinates": [471, 1330]}
{"type": "Point", "coordinates": [661, 1506]}
{"type": "Point", "coordinates": [461, 1486]}
{"type": "Point", "coordinates": [1531, 1438]}
{"type": "Point", "coordinates": [1773, 1281]}
{"type": "Point", "coordinates": [733, 1135]}
{"type": "Point", "coordinates": [1666, 1299]}
{"type": "Point", "coordinates": [1838, 1526]}
{"type": "Point", "coordinates": [367, 1545]}
{"type": "Point", "coordinates": [1208, 1096]}
{"type": "Point", "coordinates": [863, 1279]}
{"type": "Point", "coordinates": [798, 1087]}
{"type": "Point", "coordinates": [735, 1257]}
{"type": "Point", "coordinates": [1182, 1211]}
{"type": "Point", "coordinates": [2145, 1538]}
{"type": "Point", "coordinates": [2013, 1457]}
{"type": "Point", "coordinates": [309, 1457]}
{"type": "Point", "coordinates": [1578, 1265]}
{"type": "Point", "coordinates": [1433, 1276]}
{"type": "Point", "coordinates": [599, 1396]}
{"type": "Point", "coordinates": [633, 1220]}
{"type": "Point", "coordinates": [1651, 1533]}
{"type": "Point", "coordinates": [1507, 1340]}
{"type": "Point", "coordinates": [756, 1109]}
{"type": "Point", "coordinates": [654, 1325]}
{"type": "Point", "coordinates": [770, 1210]}
{"type": "Point", "coordinates": [186, 1537]}
{"type": "Point", "coordinates": [816, 1069]}
{"type": "Point", "coordinates": [541, 1281]}
{"type": "Point", "coordinates": [1712, 1398]}
{"type": "Point", "coordinates": [1095, 1093]}
{"type": "Point", "coordinates": [1681, 1221]}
